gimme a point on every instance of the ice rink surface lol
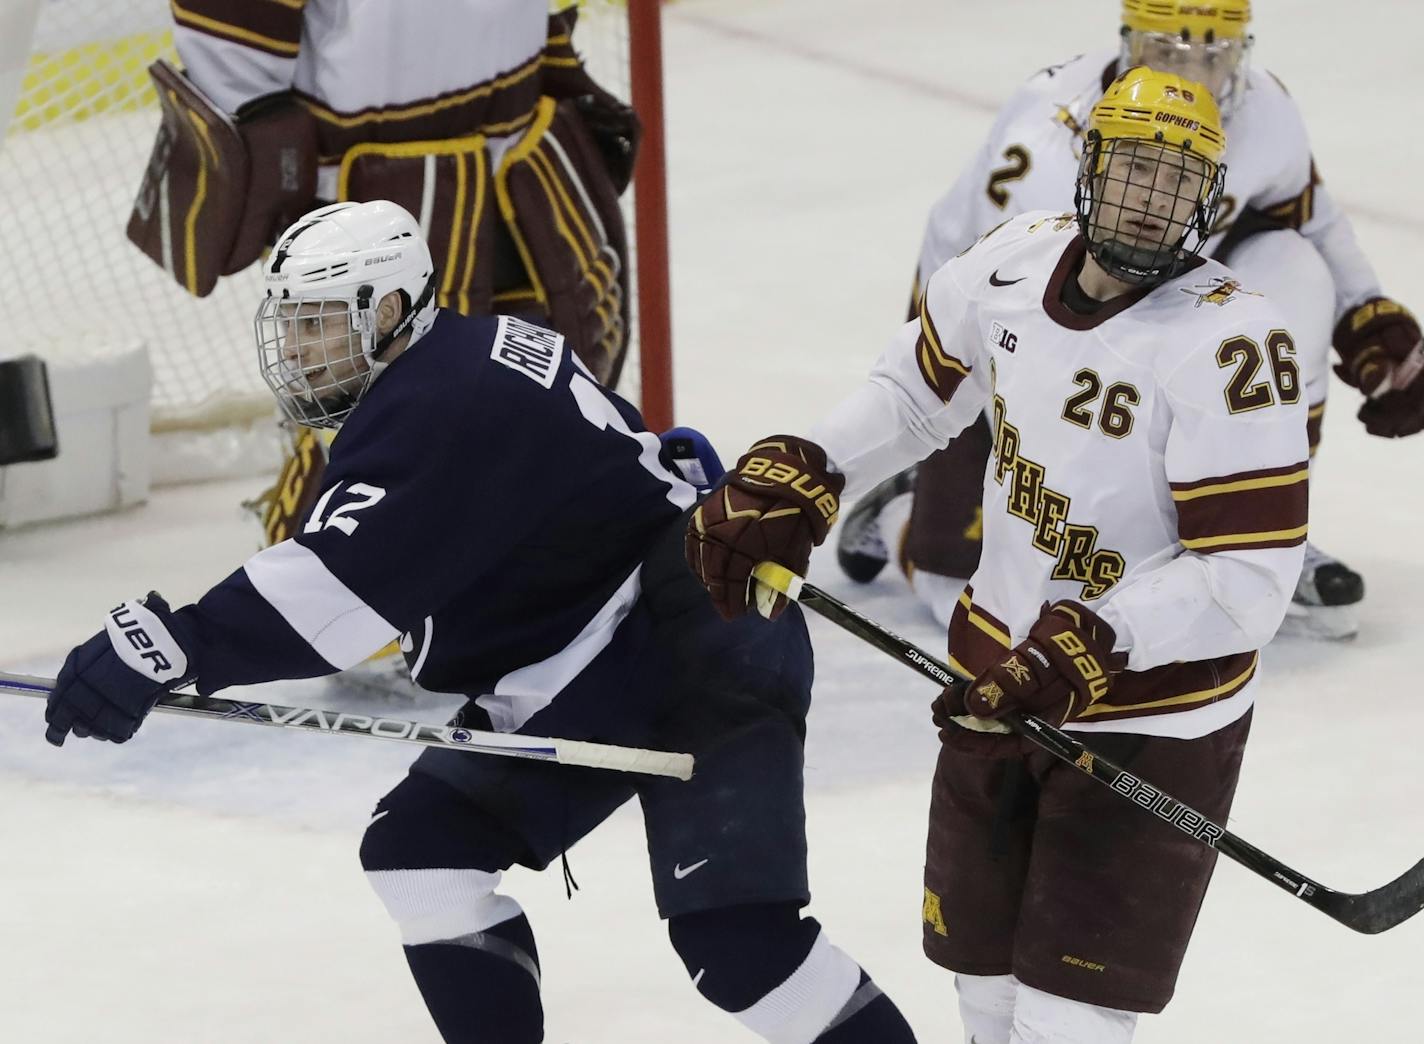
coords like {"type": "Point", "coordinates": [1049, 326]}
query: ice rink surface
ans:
{"type": "Point", "coordinates": [200, 884]}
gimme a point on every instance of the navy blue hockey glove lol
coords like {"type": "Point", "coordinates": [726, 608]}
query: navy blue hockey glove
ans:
{"type": "Point", "coordinates": [692, 455]}
{"type": "Point", "coordinates": [108, 685]}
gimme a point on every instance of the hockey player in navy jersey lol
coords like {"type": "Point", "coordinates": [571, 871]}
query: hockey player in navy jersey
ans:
{"type": "Point", "coordinates": [530, 554]}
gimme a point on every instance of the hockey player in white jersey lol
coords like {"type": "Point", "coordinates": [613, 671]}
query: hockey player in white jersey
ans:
{"type": "Point", "coordinates": [1144, 527]}
{"type": "Point", "coordinates": [1278, 227]}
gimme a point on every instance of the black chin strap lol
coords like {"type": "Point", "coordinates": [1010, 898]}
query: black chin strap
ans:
{"type": "Point", "coordinates": [1118, 262]}
{"type": "Point", "coordinates": [408, 318]}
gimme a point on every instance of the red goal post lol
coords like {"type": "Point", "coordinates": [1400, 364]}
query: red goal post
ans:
{"type": "Point", "coordinates": [653, 294]}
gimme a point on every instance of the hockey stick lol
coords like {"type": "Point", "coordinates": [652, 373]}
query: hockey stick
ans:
{"type": "Point", "coordinates": [1369, 912]}
{"type": "Point", "coordinates": [450, 737]}
{"type": "Point", "coordinates": [1403, 372]}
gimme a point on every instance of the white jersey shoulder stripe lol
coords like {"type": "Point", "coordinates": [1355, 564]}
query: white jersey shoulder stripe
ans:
{"type": "Point", "coordinates": [341, 628]}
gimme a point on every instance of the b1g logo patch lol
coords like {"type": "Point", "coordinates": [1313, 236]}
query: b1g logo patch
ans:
{"type": "Point", "coordinates": [528, 349]}
{"type": "Point", "coordinates": [1000, 336]}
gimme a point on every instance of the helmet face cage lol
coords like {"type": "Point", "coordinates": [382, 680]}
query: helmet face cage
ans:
{"type": "Point", "coordinates": [318, 346]}
{"type": "Point", "coordinates": [1145, 206]}
{"type": "Point", "coordinates": [315, 355]}
{"type": "Point", "coordinates": [1220, 63]}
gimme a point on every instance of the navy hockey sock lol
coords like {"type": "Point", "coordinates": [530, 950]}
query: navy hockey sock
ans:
{"type": "Point", "coordinates": [737, 954]}
{"type": "Point", "coordinates": [483, 987]}
{"type": "Point", "coordinates": [778, 974]}
{"type": "Point", "coordinates": [868, 1016]}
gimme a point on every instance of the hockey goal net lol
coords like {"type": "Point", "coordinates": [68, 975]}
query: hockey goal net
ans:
{"type": "Point", "coordinates": [72, 158]}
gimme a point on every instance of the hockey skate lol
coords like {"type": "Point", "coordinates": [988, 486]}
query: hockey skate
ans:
{"type": "Point", "coordinates": [1325, 600]}
{"type": "Point", "coordinates": [860, 548]}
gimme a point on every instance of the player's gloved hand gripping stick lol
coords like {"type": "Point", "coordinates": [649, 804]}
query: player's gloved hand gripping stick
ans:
{"type": "Point", "coordinates": [1368, 912]}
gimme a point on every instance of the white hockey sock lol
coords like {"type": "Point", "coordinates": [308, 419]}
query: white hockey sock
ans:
{"type": "Point", "coordinates": [801, 1008]}
{"type": "Point", "coordinates": [436, 905]}
{"type": "Point", "coordinates": [1042, 1018]}
{"type": "Point", "coordinates": [986, 1007]}
{"type": "Point", "coordinates": [938, 592]}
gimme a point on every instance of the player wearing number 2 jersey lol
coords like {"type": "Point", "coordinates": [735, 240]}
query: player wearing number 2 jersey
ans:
{"type": "Point", "coordinates": [529, 556]}
{"type": "Point", "coordinates": [1278, 227]}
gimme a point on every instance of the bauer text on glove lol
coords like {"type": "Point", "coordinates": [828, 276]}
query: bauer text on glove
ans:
{"type": "Point", "coordinates": [778, 503]}
{"type": "Point", "coordinates": [109, 684]}
{"type": "Point", "coordinates": [1065, 665]}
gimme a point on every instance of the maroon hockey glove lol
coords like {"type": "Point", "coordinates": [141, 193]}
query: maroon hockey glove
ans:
{"type": "Point", "coordinates": [1382, 354]}
{"type": "Point", "coordinates": [776, 505]}
{"type": "Point", "coordinates": [1064, 665]}
{"type": "Point", "coordinates": [958, 729]}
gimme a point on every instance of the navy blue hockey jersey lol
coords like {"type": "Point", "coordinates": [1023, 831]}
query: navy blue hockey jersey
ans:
{"type": "Point", "coordinates": [487, 500]}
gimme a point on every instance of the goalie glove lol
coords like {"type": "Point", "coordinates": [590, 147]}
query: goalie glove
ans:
{"type": "Point", "coordinates": [614, 127]}
{"type": "Point", "coordinates": [1065, 665]}
{"type": "Point", "coordinates": [1382, 354]}
{"type": "Point", "coordinates": [109, 684]}
{"type": "Point", "coordinates": [777, 504]}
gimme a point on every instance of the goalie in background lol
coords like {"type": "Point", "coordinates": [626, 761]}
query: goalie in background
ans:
{"type": "Point", "coordinates": [1278, 228]}
{"type": "Point", "coordinates": [477, 116]}
{"type": "Point", "coordinates": [528, 548]}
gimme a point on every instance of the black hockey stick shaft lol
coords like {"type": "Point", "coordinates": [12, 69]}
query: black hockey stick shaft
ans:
{"type": "Point", "coordinates": [1369, 912]}
{"type": "Point", "coordinates": [450, 737]}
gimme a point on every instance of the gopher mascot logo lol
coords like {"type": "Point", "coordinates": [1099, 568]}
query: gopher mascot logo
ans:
{"type": "Point", "coordinates": [1220, 291]}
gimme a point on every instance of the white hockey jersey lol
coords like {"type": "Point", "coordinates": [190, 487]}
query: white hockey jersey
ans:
{"type": "Point", "coordinates": [1150, 461]}
{"type": "Point", "coordinates": [373, 71]}
{"type": "Point", "coordinates": [1030, 162]}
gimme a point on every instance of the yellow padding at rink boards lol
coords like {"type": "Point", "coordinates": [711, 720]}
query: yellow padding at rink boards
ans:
{"type": "Point", "coordinates": [94, 78]}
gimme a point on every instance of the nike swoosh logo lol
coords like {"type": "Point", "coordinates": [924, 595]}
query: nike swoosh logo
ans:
{"type": "Point", "coordinates": [679, 871]}
{"type": "Point", "coordinates": [378, 815]}
{"type": "Point", "coordinates": [994, 279]}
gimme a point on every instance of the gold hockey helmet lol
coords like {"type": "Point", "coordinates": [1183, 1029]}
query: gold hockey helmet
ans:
{"type": "Point", "coordinates": [1190, 20]}
{"type": "Point", "coordinates": [1161, 106]}
{"type": "Point", "coordinates": [1206, 41]}
{"type": "Point", "coordinates": [1151, 175]}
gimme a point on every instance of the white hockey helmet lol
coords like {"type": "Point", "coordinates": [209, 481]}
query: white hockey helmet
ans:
{"type": "Point", "coordinates": [319, 342]}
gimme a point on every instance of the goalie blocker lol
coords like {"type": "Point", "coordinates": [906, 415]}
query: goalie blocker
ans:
{"type": "Point", "coordinates": [218, 187]}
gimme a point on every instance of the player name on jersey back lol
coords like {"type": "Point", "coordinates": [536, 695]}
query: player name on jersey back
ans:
{"type": "Point", "coordinates": [528, 349]}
